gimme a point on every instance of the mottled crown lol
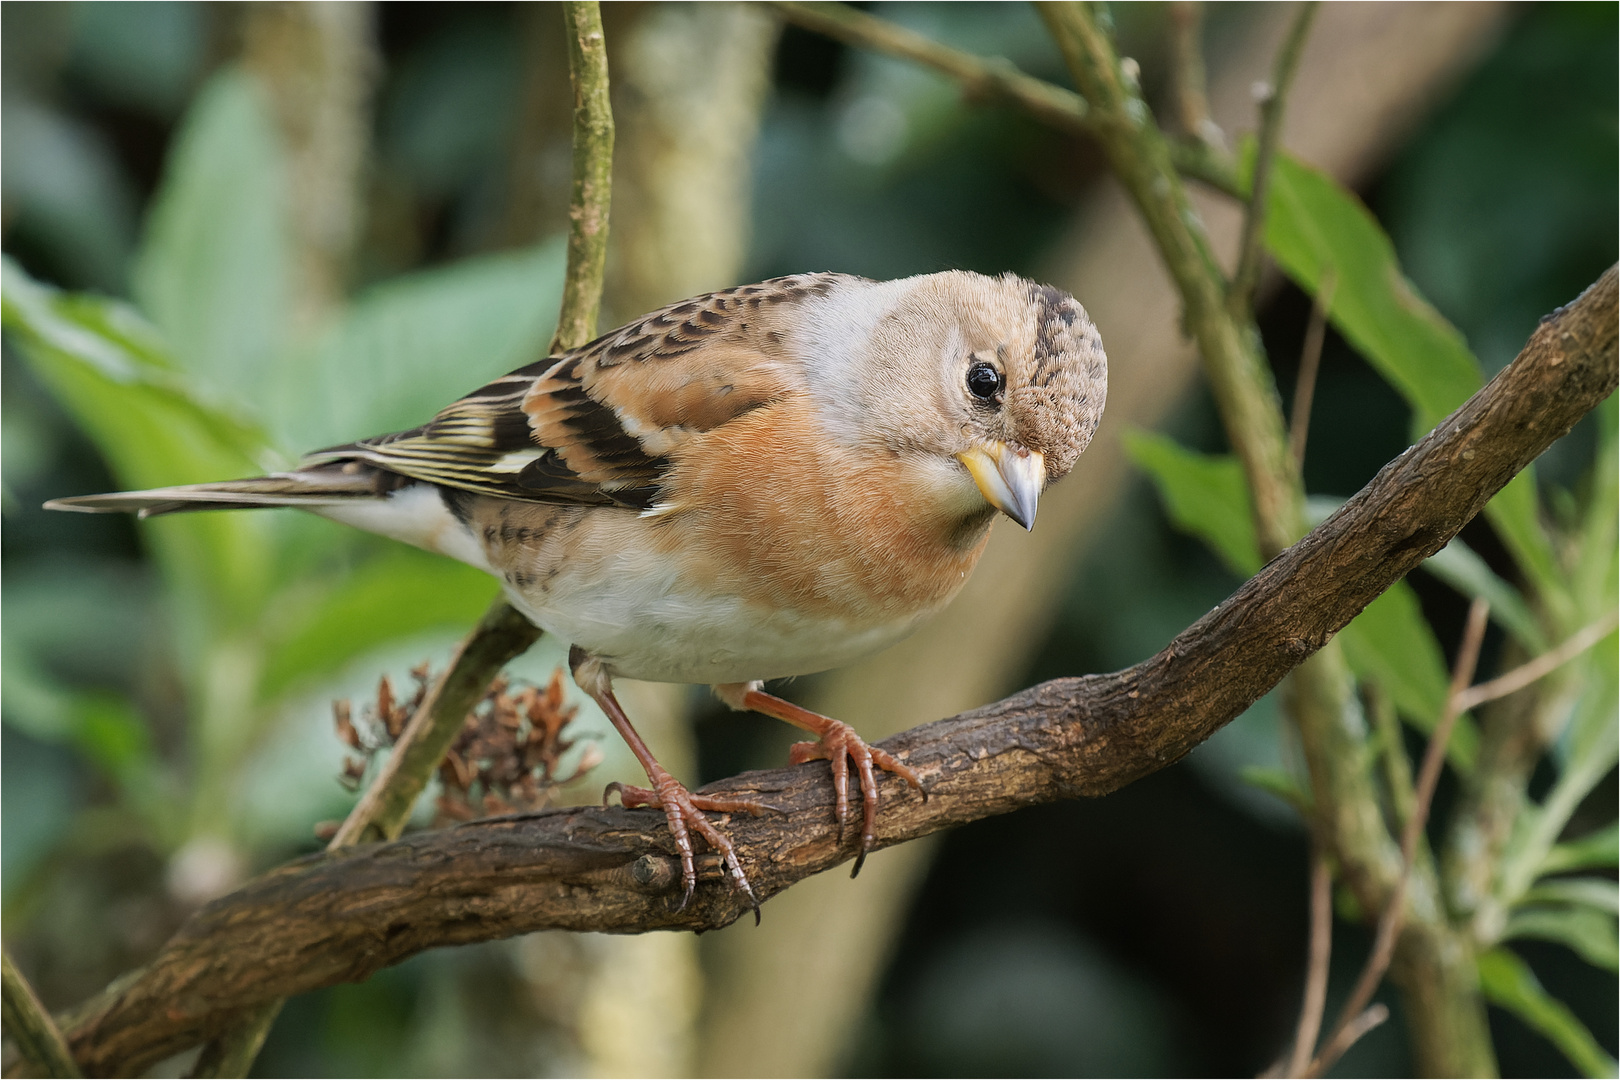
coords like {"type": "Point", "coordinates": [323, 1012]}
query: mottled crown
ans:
{"type": "Point", "coordinates": [1057, 407]}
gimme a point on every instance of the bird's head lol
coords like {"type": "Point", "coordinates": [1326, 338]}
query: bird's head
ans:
{"type": "Point", "coordinates": [990, 387]}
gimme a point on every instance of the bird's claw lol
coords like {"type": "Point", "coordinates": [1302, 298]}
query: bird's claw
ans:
{"type": "Point", "coordinates": [684, 813]}
{"type": "Point", "coordinates": [838, 746]}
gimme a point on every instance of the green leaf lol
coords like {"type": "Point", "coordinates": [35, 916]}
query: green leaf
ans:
{"type": "Point", "coordinates": [1592, 851]}
{"type": "Point", "coordinates": [1278, 782]}
{"type": "Point", "coordinates": [399, 593]}
{"type": "Point", "coordinates": [1515, 514]}
{"type": "Point", "coordinates": [212, 269]}
{"type": "Point", "coordinates": [1204, 494]}
{"type": "Point", "coordinates": [1591, 934]}
{"type": "Point", "coordinates": [1595, 892]}
{"type": "Point", "coordinates": [412, 345]}
{"type": "Point", "coordinates": [113, 733]}
{"type": "Point", "coordinates": [1589, 743]}
{"type": "Point", "coordinates": [1391, 644]}
{"type": "Point", "coordinates": [1314, 228]}
{"type": "Point", "coordinates": [1459, 566]}
{"type": "Point", "coordinates": [101, 363]}
{"type": "Point", "coordinates": [1509, 983]}
{"type": "Point", "coordinates": [1596, 575]}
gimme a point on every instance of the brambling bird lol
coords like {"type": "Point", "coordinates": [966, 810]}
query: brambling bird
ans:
{"type": "Point", "coordinates": [762, 482]}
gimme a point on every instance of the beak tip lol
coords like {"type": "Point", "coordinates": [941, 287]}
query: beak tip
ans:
{"type": "Point", "coordinates": [1011, 482]}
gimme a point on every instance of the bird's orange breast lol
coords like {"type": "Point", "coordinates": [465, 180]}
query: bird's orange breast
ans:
{"type": "Point", "coordinates": [769, 508]}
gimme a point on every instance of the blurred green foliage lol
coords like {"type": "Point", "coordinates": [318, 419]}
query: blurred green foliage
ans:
{"type": "Point", "coordinates": [171, 682]}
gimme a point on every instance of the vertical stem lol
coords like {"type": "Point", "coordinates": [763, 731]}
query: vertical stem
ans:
{"type": "Point", "coordinates": [38, 1039]}
{"type": "Point", "coordinates": [1321, 952]}
{"type": "Point", "coordinates": [592, 175]}
{"type": "Point", "coordinates": [1240, 295]}
{"type": "Point", "coordinates": [1394, 913]}
{"type": "Point", "coordinates": [1450, 1031]}
{"type": "Point", "coordinates": [319, 62]}
{"type": "Point", "coordinates": [1251, 411]}
{"type": "Point", "coordinates": [1187, 69]}
{"type": "Point", "coordinates": [233, 1053]}
{"type": "Point", "coordinates": [1392, 751]}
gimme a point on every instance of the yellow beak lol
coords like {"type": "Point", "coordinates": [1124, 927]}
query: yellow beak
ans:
{"type": "Point", "coordinates": [1010, 478]}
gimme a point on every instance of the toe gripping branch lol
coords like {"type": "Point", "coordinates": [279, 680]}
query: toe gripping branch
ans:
{"type": "Point", "coordinates": [838, 744]}
{"type": "Point", "coordinates": [682, 810]}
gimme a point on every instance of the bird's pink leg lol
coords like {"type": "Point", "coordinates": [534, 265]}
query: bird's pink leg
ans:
{"type": "Point", "coordinates": [682, 809]}
{"type": "Point", "coordinates": [839, 745]}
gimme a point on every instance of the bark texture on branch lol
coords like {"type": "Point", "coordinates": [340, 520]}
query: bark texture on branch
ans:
{"type": "Point", "coordinates": [343, 915]}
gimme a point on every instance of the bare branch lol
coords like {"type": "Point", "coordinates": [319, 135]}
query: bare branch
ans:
{"type": "Point", "coordinates": [1240, 294]}
{"type": "Point", "coordinates": [991, 79]}
{"type": "Point", "coordinates": [1373, 1016]}
{"type": "Point", "coordinates": [342, 915]}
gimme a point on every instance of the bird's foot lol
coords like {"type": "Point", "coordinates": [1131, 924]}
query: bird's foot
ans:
{"type": "Point", "coordinates": [684, 812]}
{"type": "Point", "coordinates": [839, 745]}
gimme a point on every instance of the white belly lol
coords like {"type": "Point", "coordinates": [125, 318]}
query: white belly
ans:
{"type": "Point", "coordinates": [592, 579]}
{"type": "Point", "coordinates": [643, 624]}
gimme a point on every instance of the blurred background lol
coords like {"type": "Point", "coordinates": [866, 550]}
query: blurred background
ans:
{"type": "Point", "coordinates": [338, 217]}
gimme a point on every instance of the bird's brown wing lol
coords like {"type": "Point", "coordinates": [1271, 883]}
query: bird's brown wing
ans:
{"type": "Point", "coordinates": [598, 425]}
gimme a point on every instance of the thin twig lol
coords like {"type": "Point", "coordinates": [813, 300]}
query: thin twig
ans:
{"type": "Point", "coordinates": [1316, 977]}
{"type": "Point", "coordinates": [1394, 913]}
{"type": "Point", "coordinates": [1542, 666]}
{"type": "Point", "coordinates": [1187, 73]}
{"type": "Point", "coordinates": [38, 1039]}
{"type": "Point", "coordinates": [592, 192]}
{"type": "Point", "coordinates": [1310, 361]}
{"type": "Point", "coordinates": [992, 79]}
{"type": "Point", "coordinates": [1374, 1015]}
{"type": "Point", "coordinates": [1273, 98]}
{"type": "Point", "coordinates": [233, 1053]}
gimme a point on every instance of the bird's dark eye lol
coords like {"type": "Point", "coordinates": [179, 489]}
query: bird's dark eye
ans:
{"type": "Point", "coordinates": [985, 382]}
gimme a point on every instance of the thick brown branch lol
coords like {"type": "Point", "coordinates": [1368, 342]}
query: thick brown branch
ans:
{"type": "Point", "coordinates": [343, 915]}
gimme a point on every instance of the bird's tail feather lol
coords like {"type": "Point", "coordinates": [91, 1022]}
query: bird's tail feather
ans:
{"type": "Point", "coordinates": [315, 487]}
